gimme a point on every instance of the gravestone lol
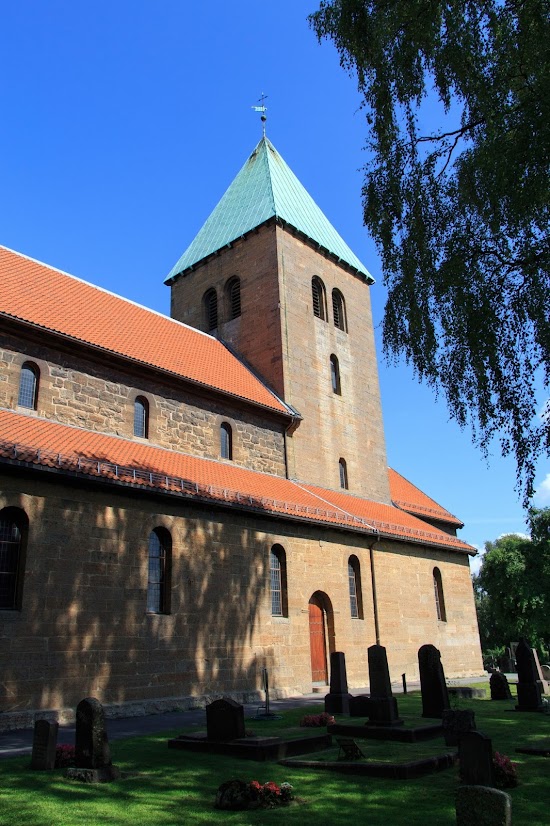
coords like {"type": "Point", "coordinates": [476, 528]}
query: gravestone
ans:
{"type": "Point", "coordinates": [482, 806]}
{"type": "Point", "coordinates": [383, 705]}
{"type": "Point", "coordinates": [225, 720]}
{"type": "Point", "coordinates": [93, 762]}
{"type": "Point", "coordinates": [338, 699]}
{"type": "Point", "coordinates": [435, 697]}
{"type": "Point", "coordinates": [541, 677]}
{"type": "Point", "coordinates": [500, 689]}
{"type": "Point", "coordinates": [528, 688]}
{"type": "Point", "coordinates": [457, 723]}
{"type": "Point", "coordinates": [44, 744]}
{"type": "Point", "coordinates": [475, 753]}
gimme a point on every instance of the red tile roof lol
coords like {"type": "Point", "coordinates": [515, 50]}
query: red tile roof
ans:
{"type": "Point", "coordinates": [410, 498]}
{"type": "Point", "coordinates": [50, 299]}
{"type": "Point", "coordinates": [43, 443]}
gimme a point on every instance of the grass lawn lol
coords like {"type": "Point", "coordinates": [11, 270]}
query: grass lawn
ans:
{"type": "Point", "coordinates": [168, 787]}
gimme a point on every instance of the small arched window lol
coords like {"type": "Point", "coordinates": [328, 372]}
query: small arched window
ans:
{"type": "Point", "coordinates": [277, 569]}
{"type": "Point", "coordinates": [343, 469]}
{"type": "Point", "coordinates": [159, 572]}
{"type": "Point", "coordinates": [141, 418]}
{"type": "Point", "coordinates": [439, 598]}
{"type": "Point", "coordinates": [28, 386]}
{"type": "Point", "coordinates": [335, 375]}
{"type": "Point", "coordinates": [210, 302]}
{"type": "Point", "coordinates": [355, 592]}
{"type": "Point", "coordinates": [339, 311]}
{"type": "Point", "coordinates": [319, 297]}
{"type": "Point", "coordinates": [13, 537]}
{"type": "Point", "coordinates": [226, 441]}
{"type": "Point", "coordinates": [233, 292]}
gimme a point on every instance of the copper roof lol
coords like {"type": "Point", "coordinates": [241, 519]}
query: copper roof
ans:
{"type": "Point", "coordinates": [407, 496]}
{"type": "Point", "coordinates": [266, 188]}
{"type": "Point", "coordinates": [48, 298]}
{"type": "Point", "coordinates": [40, 443]}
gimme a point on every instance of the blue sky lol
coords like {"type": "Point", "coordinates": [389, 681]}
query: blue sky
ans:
{"type": "Point", "coordinates": [121, 125]}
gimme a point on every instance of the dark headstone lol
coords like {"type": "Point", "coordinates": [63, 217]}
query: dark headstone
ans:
{"type": "Point", "coordinates": [43, 745]}
{"type": "Point", "coordinates": [225, 720]}
{"type": "Point", "coordinates": [379, 674]}
{"type": "Point", "coordinates": [435, 698]}
{"type": "Point", "coordinates": [475, 752]}
{"type": "Point", "coordinates": [93, 762]}
{"type": "Point", "coordinates": [482, 806]}
{"type": "Point", "coordinates": [457, 723]}
{"type": "Point", "coordinates": [360, 706]}
{"type": "Point", "coordinates": [500, 690]}
{"type": "Point", "coordinates": [338, 699]}
{"type": "Point", "coordinates": [383, 707]}
{"type": "Point", "coordinates": [529, 688]}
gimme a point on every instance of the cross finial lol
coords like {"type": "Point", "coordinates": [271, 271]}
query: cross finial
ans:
{"type": "Point", "coordinates": [263, 109]}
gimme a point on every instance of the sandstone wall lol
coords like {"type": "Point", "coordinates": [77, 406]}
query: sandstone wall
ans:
{"type": "Point", "coordinates": [84, 630]}
{"type": "Point", "coordinates": [76, 391]}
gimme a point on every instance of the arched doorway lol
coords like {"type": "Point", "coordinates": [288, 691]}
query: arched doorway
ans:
{"type": "Point", "coordinates": [321, 633]}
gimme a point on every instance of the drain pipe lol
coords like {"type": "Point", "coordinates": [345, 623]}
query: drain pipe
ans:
{"type": "Point", "coordinates": [374, 596]}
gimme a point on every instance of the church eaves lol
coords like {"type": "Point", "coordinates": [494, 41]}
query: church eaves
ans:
{"type": "Point", "coordinates": [266, 188]}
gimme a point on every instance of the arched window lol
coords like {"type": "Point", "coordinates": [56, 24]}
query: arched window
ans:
{"type": "Point", "coordinates": [28, 386]}
{"type": "Point", "coordinates": [13, 536]}
{"type": "Point", "coordinates": [355, 592]}
{"type": "Point", "coordinates": [210, 302]}
{"type": "Point", "coordinates": [226, 441]}
{"type": "Point", "coordinates": [343, 473]}
{"type": "Point", "coordinates": [339, 311]}
{"type": "Point", "coordinates": [335, 375]}
{"type": "Point", "coordinates": [141, 418]}
{"type": "Point", "coordinates": [233, 292]}
{"type": "Point", "coordinates": [439, 598]}
{"type": "Point", "coordinates": [277, 568]}
{"type": "Point", "coordinates": [160, 564]}
{"type": "Point", "coordinates": [319, 296]}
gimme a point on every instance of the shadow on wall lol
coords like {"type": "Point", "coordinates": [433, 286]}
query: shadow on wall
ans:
{"type": "Point", "coordinates": [84, 629]}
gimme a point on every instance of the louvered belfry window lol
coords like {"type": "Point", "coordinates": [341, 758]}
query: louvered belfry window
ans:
{"type": "Point", "coordinates": [211, 309]}
{"type": "Point", "coordinates": [234, 297]}
{"type": "Point", "coordinates": [318, 296]}
{"type": "Point", "coordinates": [339, 310]}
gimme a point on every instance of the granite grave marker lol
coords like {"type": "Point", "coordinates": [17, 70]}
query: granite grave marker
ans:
{"type": "Point", "coordinates": [44, 744]}
{"type": "Point", "coordinates": [435, 697]}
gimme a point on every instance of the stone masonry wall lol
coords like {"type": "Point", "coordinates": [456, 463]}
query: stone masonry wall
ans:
{"type": "Point", "coordinates": [75, 391]}
{"type": "Point", "coordinates": [290, 348]}
{"type": "Point", "coordinates": [83, 629]}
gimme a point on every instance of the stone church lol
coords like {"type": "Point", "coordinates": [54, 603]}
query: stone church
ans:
{"type": "Point", "coordinates": [188, 500]}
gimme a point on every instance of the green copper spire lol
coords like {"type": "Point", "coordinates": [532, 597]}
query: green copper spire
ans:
{"type": "Point", "coordinates": [265, 188]}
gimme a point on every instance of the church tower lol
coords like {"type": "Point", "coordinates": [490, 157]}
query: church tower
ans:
{"type": "Point", "coordinates": [270, 276]}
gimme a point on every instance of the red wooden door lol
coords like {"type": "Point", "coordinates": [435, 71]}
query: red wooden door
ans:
{"type": "Point", "coordinates": [317, 643]}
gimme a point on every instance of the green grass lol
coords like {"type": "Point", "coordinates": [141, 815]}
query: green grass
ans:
{"type": "Point", "coordinates": [168, 787]}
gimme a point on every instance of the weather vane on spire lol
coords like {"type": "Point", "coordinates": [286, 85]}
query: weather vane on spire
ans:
{"type": "Point", "coordinates": [263, 109]}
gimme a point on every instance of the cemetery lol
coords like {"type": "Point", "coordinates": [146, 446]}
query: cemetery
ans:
{"type": "Point", "coordinates": [494, 773]}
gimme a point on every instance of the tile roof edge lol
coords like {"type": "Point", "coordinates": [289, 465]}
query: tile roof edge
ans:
{"type": "Point", "coordinates": [287, 412]}
{"type": "Point", "coordinates": [452, 520]}
{"type": "Point", "coordinates": [358, 524]}
{"type": "Point", "coordinates": [107, 292]}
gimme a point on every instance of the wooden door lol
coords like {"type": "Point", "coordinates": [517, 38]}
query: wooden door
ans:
{"type": "Point", "coordinates": [317, 643]}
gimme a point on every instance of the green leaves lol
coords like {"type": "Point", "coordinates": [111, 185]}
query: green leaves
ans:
{"type": "Point", "coordinates": [460, 213]}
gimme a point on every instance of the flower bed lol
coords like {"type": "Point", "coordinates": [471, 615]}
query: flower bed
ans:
{"type": "Point", "coordinates": [243, 794]}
